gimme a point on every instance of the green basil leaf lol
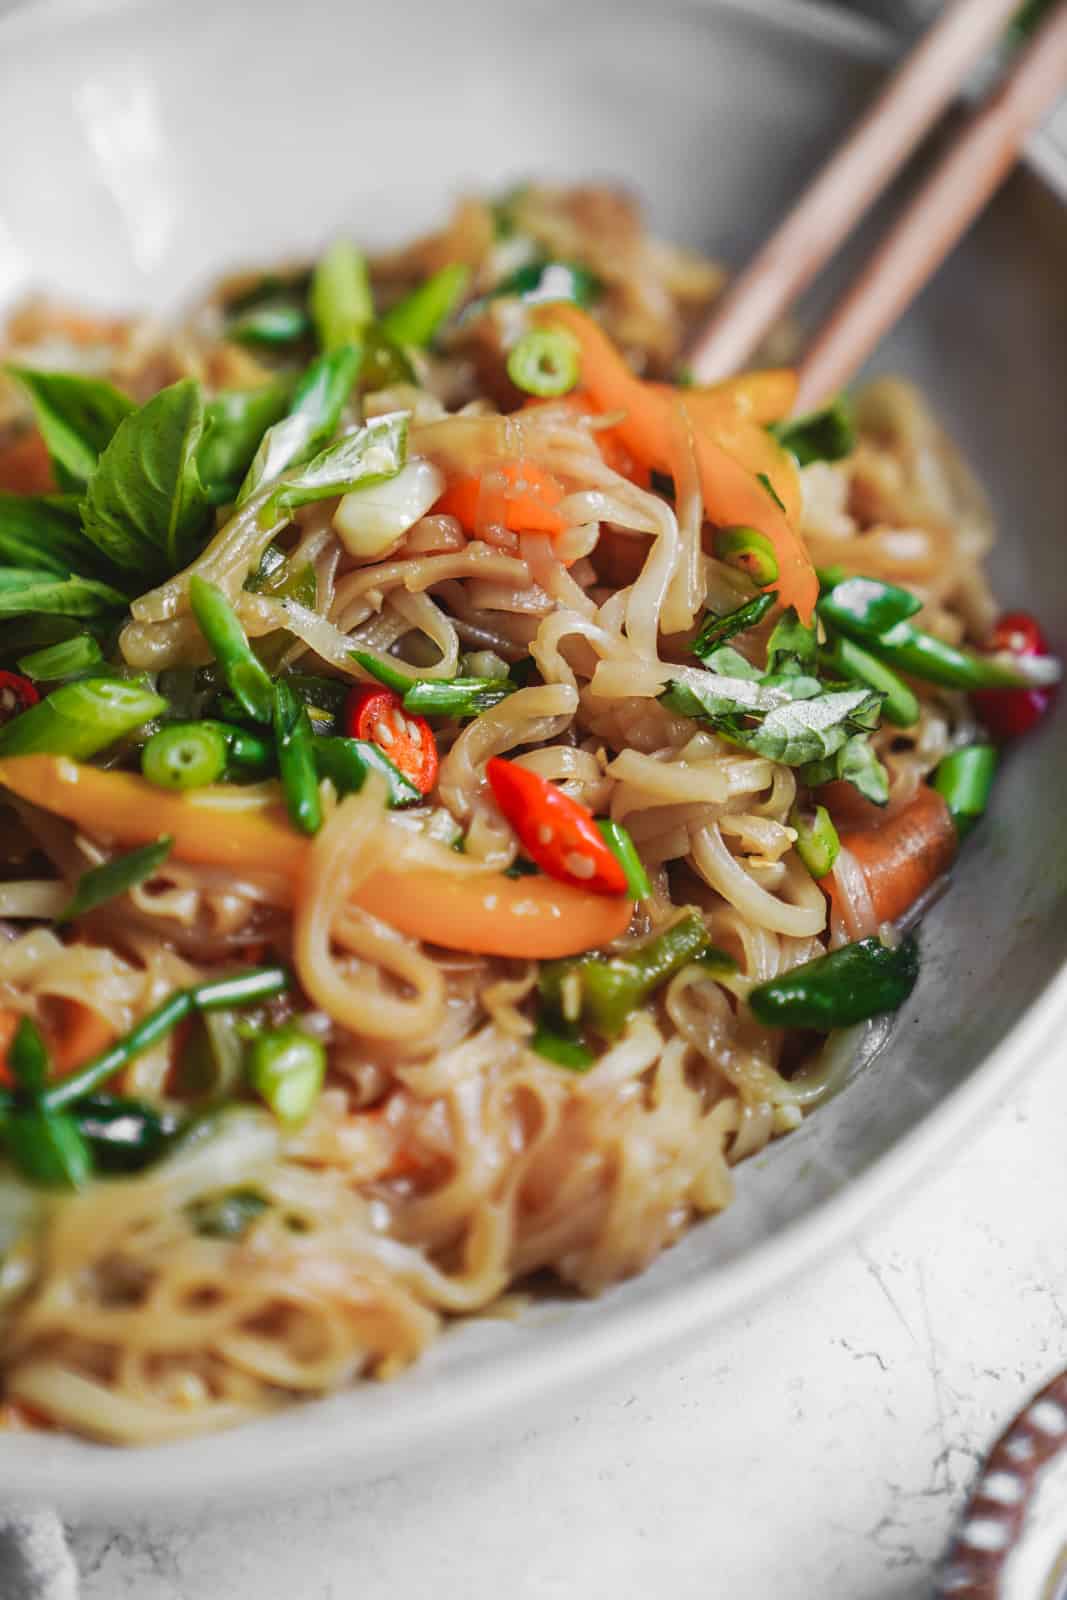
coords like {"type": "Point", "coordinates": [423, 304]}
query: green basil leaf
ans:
{"type": "Point", "coordinates": [25, 592]}
{"type": "Point", "coordinates": [100, 884]}
{"type": "Point", "coordinates": [145, 506]}
{"type": "Point", "coordinates": [77, 417]}
{"type": "Point", "coordinates": [807, 730]}
{"type": "Point", "coordinates": [372, 454]}
{"type": "Point", "coordinates": [716, 630]}
{"type": "Point", "coordinates": [857, 764]}
{"type": "Point", "coordinates": [318, 401]}
{"type": "Point", "coordinates": [234, 425]}
{"type": "Point", "coordinates": [826, 435]}
{"type": "Point", "coordinates": [43, 531]}
{"type": "Point", "coordinates": [730, 663]}
{"type": "Point", "coordinates": [792, 647]}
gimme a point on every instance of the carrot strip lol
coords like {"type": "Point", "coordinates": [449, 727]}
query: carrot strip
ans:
{"type": "Point", "coordinates": [902, 858]}
{"type": "Point", "coordinates": [83, 1034]}
{"type": "Point", "coordinates": [762, 396]}
{"type": "Point", "coordinates": [9, 1021]}
{"type": "Point", "coordinates": [732, 494]}
{"type": "Point", "coordinates": [612, 450]}
{"type": "Point", "coordinates": [488, 914]}
{"type": "Point", "coordinates": [519, 495]}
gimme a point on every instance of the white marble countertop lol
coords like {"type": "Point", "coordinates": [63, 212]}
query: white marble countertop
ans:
{"type": "Point", "coordinates": [817, 1446]}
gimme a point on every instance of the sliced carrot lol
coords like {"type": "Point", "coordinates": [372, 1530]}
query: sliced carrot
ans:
{"type": "Point", "coordinates": [733, 495]}
{"type": "Point", "coordinates": [82, 1034]}
{"type": "Point", "coordinates": [485, 913]}
{"type": "Point", "coordinates": [904, 857]}
{"type": "Point", "coordinates": [518, 495]}
{"type": "Point", "coordinates": [25, 467]}
{"type": "Point", "coordinates": [612, 450]}
{"type": "Point", "coordinates": [9, 1021]}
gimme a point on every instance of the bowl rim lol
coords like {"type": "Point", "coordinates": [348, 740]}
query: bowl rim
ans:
{"type": "Point", "coordinates": [162, 1479]}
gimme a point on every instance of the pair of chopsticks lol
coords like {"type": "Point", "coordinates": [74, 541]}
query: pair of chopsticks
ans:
{"type": "Point", "coordinates": [976, 162]}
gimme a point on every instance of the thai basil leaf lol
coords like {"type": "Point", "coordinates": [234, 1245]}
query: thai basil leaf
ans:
{"type": "Point", "coordinates": [100, 884]}
{"type": "Point", "coordinates": [808, 730]}
{"type": "Point", "coordinates": [730, 663]}
{"type": "Point", "coordinates": [791, 648]}
{"type": "Point", "coordinates": [234, 425]}
{"type": "Point", "coordinates": [826, 435]}
{"type": "Point", "coordinates": [77, 417]}
{"type": "Point", "coordinates": [857, 764]}
{"type": "Point", "coordinates": [43, 531]}
{"type": "Point", "coordinates": [318, 401]}
{"type": "Point", "coordinates": [145, 506]}
{"type": "Point", "coordinates": [374, 453]}
{"type": "Point", "coordinates": [24, 592]}
{"type": "Point", "coordinates": [715, 631]}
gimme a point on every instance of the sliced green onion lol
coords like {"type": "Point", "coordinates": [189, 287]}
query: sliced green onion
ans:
{"type": "Point", "coordinates": [622, 847]}
{"type": "Point", "coordinates": [48, 1150]}
{"type": "Point", "coordinates": [81, 719]}
{"type": "Point", "coordinates": [817, 841]}
{"type": "Point", "coordinates": [455, 697]}
{"type": "Point", "coordinates": [115, 877]}
{"type": "Point", "coordinates": [826, 435]}
{"type": "Point", "coordinates": [381, 668]}
{"type": "Point", "coordinates": [273, 322]}
{"type": "Point", "coordinates": [239, 989]}
{"type": "Point", "coordinates": [296, 759]}
{"type": "Point", "coordinates": [417, 318]}
{"type": "Point", "coordinates": [184, 755]}
{"type": "Point", "coordinates": [849, 660]}
{"type": "Point", "coordinates": [228, 1215]}
{"type": "Point", "coordinates": [346, 763]}
{"type": "Point", "coordinates": [964, 778]}
{"type": "Point", "coordinates": [750, 551]}
{"type": "Point", "coordinates": [545, 362]}
{"type": "Point", "coordinates": [67, 659]}
{"type": "Point", "coordinates": [27, 1057]}
{"type": "Point", "coordinates": [562, 1048]}
{"type": "Point", "coordinates": [716, 630]}
{"type": "Point", "coordinates": [286, 1068]}
{"type": "Point", "coordinates": [246, 677]}
{"type": "Point", "coordinates": [340, 296]}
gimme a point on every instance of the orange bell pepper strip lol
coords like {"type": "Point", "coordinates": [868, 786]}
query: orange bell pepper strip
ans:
{"type": "Point", "coordinates": [762, 396]}
{"type": "Point", "coordinates": [485, 913]}
{"type": "Point", "coordinates": [519, 495]}
{"type": "Point", "coordinates": [732, 495]}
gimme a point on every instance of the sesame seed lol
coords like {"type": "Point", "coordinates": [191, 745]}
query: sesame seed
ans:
{"type": "Point", "coordinates": [545, 834]}
{"type": "Point", "coordinates": [384, 734]}
{"type": "Point", "coordinates": [577, 865]}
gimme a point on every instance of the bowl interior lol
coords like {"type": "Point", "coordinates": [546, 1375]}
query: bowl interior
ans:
{"type": "Point", "coordinates": [159, 143]}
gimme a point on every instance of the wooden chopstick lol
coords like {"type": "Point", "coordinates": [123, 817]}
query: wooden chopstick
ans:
{"type": "Point", "coordinates": [978, 160]}
{"type": "Point", "coordinates": [840, 194]}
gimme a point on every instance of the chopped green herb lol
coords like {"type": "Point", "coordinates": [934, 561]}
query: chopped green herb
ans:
{"type": "Point", "coordinates": [118, 876]}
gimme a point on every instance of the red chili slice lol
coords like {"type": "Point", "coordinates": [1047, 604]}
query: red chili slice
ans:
{"type": "Point", "coordinates": [1009, 713]}
{"type": "Point", "coordinates": [556, 832]}
{"type": "Point", "coordinates": [17, 694]}
{"type": "Point", "coordinates": [378, 715]}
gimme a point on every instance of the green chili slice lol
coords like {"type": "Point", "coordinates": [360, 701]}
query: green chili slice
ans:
{"type": "Point", "coordinates": [545, 362]}
{"type": "Point", "coordinates": [750, 551]}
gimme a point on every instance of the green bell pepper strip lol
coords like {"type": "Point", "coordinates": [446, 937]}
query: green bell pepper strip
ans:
{"type": "Point", "coordinates": [846, 986]}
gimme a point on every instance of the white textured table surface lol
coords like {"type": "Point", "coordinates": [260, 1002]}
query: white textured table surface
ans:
{"type": "Point", "coordinates": [816, 1447]}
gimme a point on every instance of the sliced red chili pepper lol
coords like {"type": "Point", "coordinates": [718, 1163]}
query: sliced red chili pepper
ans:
{"type": "Point", "coordinates": [554, 830]}
{"type": "Point", "coordinates": [1009, 713]}
{"type": "Point", "coordinates": [378, 715]}
{"type": "Point", "coordinates": [17, 694]}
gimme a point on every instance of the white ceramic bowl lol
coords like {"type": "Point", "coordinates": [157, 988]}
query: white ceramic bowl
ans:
{"type": "Point", "coordinates": [149, 145]}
